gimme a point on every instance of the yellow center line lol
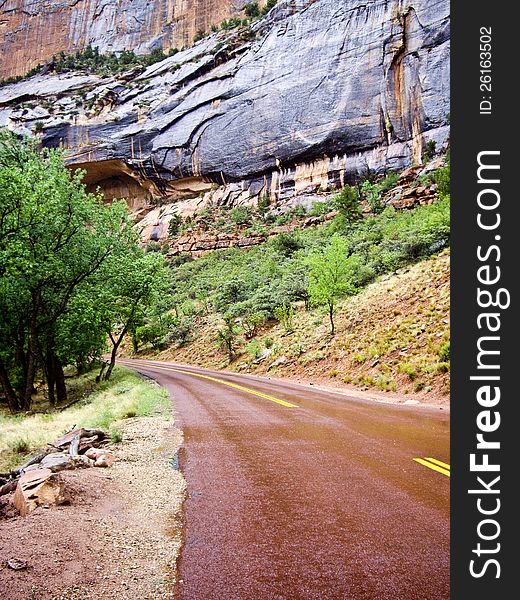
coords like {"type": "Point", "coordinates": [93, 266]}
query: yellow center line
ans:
{"type": "Point", "coordinates": [233, 385]}
{"type": "Point", "coordinates": [439, 463]}
{"type": "Point", "coordinates": [434, 466]}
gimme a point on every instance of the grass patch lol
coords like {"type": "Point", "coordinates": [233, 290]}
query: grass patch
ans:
{"type": "Point", "coordinates": [125, 395]}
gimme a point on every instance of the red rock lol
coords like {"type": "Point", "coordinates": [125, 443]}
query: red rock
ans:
{"type": "Point", "coordinates": [37, 488]}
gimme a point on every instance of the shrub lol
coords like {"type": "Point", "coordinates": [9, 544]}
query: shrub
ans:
{"type": "Point", "coordinates": [174, 226]}
{"type": "Point", "coordinates": [444, 352]}
{"type": "Point", "coordinates": [286, 243]}
{"type": "Point", "coordinates": [254, 349]}
{"type": "Point", "coordinates": [319, 208]}
{"type": "Point", "coordinates": [285, 315]}
{"type": "Point", "coordinates": [181, 332]}
{"type": "Point", "coordinates": [240, 215]}
{"type": "Point", "coordinates": [408, 369]}
{"type": "Point", "coordinates": [252, 10]}
{"type": "Point", "coordinates": [347, 203]}
{"type": "Point", "coordinates": [20, 446]}
{"type": "Point", "coordinates": [116, 437]}
{"type": "Point", "coordinates": [429, 150]}
{"type": "Point", "coordinates": [270, 4]}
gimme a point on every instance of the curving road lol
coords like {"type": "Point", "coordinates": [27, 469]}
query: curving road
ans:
{"type": "Point", "coordinates": [297, 493]}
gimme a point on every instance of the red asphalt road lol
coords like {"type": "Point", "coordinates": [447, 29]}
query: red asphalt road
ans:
{"type": "Point", "coordinates": [323, 501]}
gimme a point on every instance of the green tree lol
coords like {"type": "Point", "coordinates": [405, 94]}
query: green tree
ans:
{"type": "Point", "coordinates": [347, 203]}
{"type": "Point", "coordinates": [132, 283]}
{"type": "Point", "coordinates": [54, 237]}
{"type": "Point", "coordinates": [332, 274]}
{"type": "Point", "coordinates": [226, 336]}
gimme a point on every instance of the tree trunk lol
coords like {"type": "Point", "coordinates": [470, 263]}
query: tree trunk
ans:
{"type": "Point", "coordinates": [116, 342]}
{"type": "Point", "coordinates": [61, 388]}
{"type": "Point", "coordinates": [10, 394]}
{"type": "Point", "coordinates": [50, 373]}
{"type": "Point", "coordinates": [331, 317]}
{"type": "Point", "coordinates": [30, 373]}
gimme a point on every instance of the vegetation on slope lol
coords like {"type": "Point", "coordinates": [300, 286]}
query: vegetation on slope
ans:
{"type": "Point", "coordinates": [232, 298]}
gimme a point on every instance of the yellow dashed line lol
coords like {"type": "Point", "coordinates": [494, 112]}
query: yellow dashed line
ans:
{"type": "Point", "coordinates": [233, 385]}
{"type": "Point", "coordinates": [435, 465]}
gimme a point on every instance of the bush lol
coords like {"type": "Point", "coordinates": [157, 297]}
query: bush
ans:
{"type": "Point", "coordinates": [347, 203]}
{"type": "Point", "coordinates": [270, 4]}
{"type": "Point", "coordinates": [286, 244]}
{"type": "Point", "coordinates": [253, 349]}
{"type": "Point", "coordinates": [241, 215]}
{"type": "Point", "coordinates": [319, 208]}
{"type": "Point", "coordinates": [252, 10]}
{"type": "Point", "coordinates": [285, 315]}
{"type": "Point", "coordinates": [444, 352]}
{"type": "Point", "coordinates": [181, 332]}
{"type": "Point", "coordinates": [174, 226]}
{"type": "Point", "coordinates": [429, 150]}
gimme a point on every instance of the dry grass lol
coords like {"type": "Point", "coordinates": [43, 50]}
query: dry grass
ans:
{"type": "Point", "coordinates": [125, 395]}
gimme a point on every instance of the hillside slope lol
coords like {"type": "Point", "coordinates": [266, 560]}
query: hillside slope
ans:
{"type": "Point", "coordinates": [392, 337]}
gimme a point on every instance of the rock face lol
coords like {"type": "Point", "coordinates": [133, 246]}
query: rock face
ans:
{"type": "Point", "coordinates": [32, 31]}
{"type": "Point", "coordinates": [306, 99]}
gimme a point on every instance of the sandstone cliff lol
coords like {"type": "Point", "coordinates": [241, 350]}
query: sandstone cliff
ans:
{"type": "Point", "coordinates": [32, 31]}
{"type": "Point", "coordinates": [307, 98]}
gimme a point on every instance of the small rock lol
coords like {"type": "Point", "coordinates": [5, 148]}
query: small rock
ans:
{"type": "Point", "coordinates": [105, 460]}
{"type": "Point", "coordinates": [57, 461]}
{"type": "Point", "coordinates": [17, 564]}
{"type": "Point", "coordinates": [279, 361]}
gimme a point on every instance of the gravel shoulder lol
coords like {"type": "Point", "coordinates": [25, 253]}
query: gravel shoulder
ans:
{"type": "Point", "coordinates": [119, 538]}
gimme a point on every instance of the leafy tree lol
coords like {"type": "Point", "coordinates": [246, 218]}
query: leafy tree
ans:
{"type": "Point", "coordinates": [132, 283]}
{"type": "Point", "coordinates": [226, 336]}
{"type": "Point", "coordinates": [71, 272]}
{"type": "Point", "coordinates": [331, 276]}
{"type": "Point", "coordinates": [54, 237]}
{"type": "Point", "coordinates": [347, 203]}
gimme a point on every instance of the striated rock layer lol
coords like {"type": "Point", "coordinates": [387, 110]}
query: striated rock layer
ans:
{"type": "Point", "coordinates": [317, 93]}
{"type": "Point", "coordinates": [32, 31]}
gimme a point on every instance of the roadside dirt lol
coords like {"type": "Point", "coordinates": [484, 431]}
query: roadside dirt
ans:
{"type": "Point", "coordinates": [120, 537]}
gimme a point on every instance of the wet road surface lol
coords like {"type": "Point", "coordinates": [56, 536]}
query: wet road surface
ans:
{"type": "Point", "coordinates": [297, 493]}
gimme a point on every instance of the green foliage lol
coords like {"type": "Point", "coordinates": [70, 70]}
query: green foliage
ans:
{"type": "Point", "coordinates": [287, 243]}
{"type": "Point", "coordinates": [90, 60]}
{"type": "Point", "coordinates": [372, 191]}
{"type": "Point", "coordinates": [71, 272]}
{"type": "Point", "coordinates": [251, 321]}
{"type": "Point", "coordinates": [347, 203]}
{"type": "Point", "coordinates": [444, 353]}
{"type": "Point", "coordinates": [332, 274]}
{"type": "Point", "coordinates": [252, 10]}
{"type": "Point", "coordinates": [226, 336]}
{"type": "Point", "coordinates": [319, 208]}
{"type": "Point", "coordinates": [253, 349]}
{"type": "Point", "coordinates": [241, 215]}
{"type": "Point", "coordinates": [270, 4]}
{"type": "Point", "coordinates": [442, 178]}
{"type": "Point", "coordinates": [429, 150]}
{"type": "Point", "coordinates": [116, 436]}
{"type": "Point", "coordinates": [285, 315]}
{"type": "Point", "coordinates": [174, 226]}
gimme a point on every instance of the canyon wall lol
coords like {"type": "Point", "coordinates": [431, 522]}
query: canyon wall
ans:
{"type": "Point", "coordinates": [313, 95]}
{"type": "Point", "coordinates": [32, 31]}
